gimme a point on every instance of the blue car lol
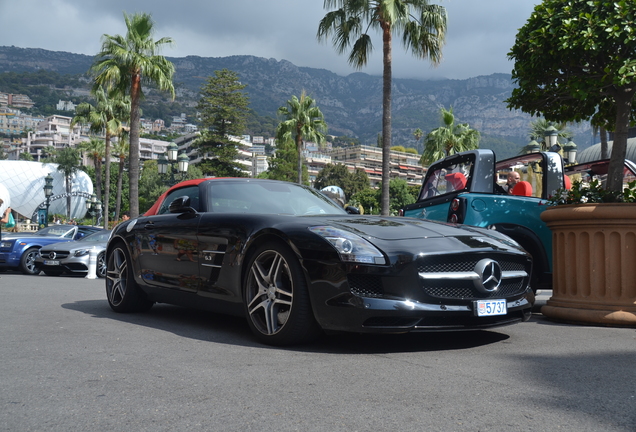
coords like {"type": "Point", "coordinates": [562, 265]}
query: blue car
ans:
{"type": "Point", "coordinates": [18, 251]}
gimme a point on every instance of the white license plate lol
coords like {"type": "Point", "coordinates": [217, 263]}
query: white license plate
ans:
{"type": "Point", "coordinates": [491, 307]}
{"type": "Point", "coordinates": [51, 263]}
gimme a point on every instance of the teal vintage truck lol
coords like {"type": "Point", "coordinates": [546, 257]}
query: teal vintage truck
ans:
{"type": "Point", "coordinates": [470, 188]}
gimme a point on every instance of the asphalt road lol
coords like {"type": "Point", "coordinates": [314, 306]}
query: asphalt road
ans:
{"type": "Point", "coordinates": [68, 363]}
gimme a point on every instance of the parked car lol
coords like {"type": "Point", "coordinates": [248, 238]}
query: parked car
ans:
{"type": "Point", "coordinates": [294, 262]}
{"type": "Point", "coordinates": [469, 188]}
{"type": "Point", "coordinates": [73, 257]}
{"type": "Point", "coordinates": [19, 250]}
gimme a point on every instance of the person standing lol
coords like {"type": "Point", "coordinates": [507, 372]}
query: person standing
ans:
{"type": "Point", "coordinates": [5, 216]}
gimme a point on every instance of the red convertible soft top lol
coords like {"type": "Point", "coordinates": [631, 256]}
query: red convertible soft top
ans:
{"type": "Point", "coordinates": [153, 210]}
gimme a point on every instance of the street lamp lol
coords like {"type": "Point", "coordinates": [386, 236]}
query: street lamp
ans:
{"type": "Point", "coordinates": [173, 164]}
{"type": "Point", "coordinates": [94, 207]}
{"type": "Point", "coordinates": [550, 135]}
{"type": "Point", "coordinates": [533, 147]}
{"type": "Point", "coordinates": [48, 191]}
{"type": "Point", "coordinates": [569, 152]}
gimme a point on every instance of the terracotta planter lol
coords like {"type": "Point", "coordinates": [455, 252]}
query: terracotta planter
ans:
{"type": "Point", "coordinates": [594, 277]}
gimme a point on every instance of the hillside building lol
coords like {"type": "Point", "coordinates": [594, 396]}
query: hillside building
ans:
{"type": "Point", "coordinates": [402, 165]}
{"type": "Point", "coordinates": [16, 100]}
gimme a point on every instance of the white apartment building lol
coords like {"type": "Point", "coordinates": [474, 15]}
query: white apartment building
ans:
{"type": "Point", "coordinates": [402, 165]}
{"type": "Point", "coordinates": [14, 122]}
{"type": "Point", "coordinates": [54, 131]}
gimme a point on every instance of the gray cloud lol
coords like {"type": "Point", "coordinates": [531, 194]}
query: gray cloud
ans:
{"type": "Point", "coordinates": [480, 32]}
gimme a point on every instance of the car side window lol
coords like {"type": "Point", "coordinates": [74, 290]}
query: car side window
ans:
{"type": "Point", "coordinates": [83, 232]}
{"type": "Point", "coordinates": [70, 233]}
{"type": "Point", "coordinates": [529, 171]}
{"type": "Point", "coordinates": [190, 191]}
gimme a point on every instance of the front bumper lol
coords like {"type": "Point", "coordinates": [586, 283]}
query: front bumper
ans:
{"type": "Point", "coordinates": [8, 259]}
{"type": "Point", "coordinates": [69, 265]}
{"type": "Point", "coordinates": [372, 315]}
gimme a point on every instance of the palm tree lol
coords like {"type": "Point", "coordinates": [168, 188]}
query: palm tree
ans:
{"type": "Point", "coordinates": [448, 139]}
{"type": "Point", "coordinates": [422, 26]}
{"type": "Point", "coordinates": [121, 150]}
{"type": "Point", "coordinates": [48, 154]}
{"type": "Point", "coordinates": [303, 121]}
{"type": "Point", "coordinates": [539, 127]}
{"type": "Point", "coordinates": [122, 66]}
{"type": "Point", "coordinates": [95, 149]}
{"type": "Point", "coordinates": [68, 163]}
{"type": "Point", "coordinates": [108, 117]}
{"type": "Point", "coordinates": [418, 134]}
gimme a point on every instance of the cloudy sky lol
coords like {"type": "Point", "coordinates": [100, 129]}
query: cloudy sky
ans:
{"type": "Point", "coordinates": [480, 32]}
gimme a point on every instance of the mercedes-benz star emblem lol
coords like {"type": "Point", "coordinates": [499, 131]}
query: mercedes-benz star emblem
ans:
{"type": "Point", "coordinates": [52, 255]}
{"type": "Point", "coordinates": [489, 273]}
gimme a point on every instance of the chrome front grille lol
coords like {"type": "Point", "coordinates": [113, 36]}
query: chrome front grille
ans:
{"type": "Point", "coordinates": [54, 255]}
{"type": "Point", "coordinates": [452, 276]}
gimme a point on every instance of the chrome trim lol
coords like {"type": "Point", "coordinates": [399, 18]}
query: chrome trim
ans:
{"type": "Point", "coordinates": [470, 275]}
{"type": "Point", "coordinates": [408, 305]}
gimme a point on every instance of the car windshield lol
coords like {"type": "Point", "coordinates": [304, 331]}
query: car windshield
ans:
{"type": "Point", "coordinates": [56, 231]}
{"type": "Point", "coordinates": [447, 178]}
{"type": "Point", "coordinates": [99, 236]}
{"type": "Point", "coordinates": [268, 197]}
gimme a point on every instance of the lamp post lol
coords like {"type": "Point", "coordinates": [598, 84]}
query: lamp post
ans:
{"type": "Point", "coordinates": [48, 191]}
{"type": "Point", "coordinates": [533, 147]}
{"type": "Point", "coordinates": [551, 139]}
{"type": "Point", "coordinates": [569, 152]}
{"type": "Point", "coordinates": [94, 207]}
{"type": "Point", "coordinates": [173, 165]}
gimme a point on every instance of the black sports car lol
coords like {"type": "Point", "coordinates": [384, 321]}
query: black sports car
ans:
{"type": "Point", "coordinates": [295, 263]}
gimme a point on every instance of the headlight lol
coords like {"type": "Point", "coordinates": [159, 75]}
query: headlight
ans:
{"type": "Point", "coordinates": [351, 247]}
{"type": "Point", "coordinates": [81, 252]}
{"type": "Point", "coordinates": [6, 245]}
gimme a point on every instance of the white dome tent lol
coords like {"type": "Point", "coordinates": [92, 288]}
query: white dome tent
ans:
{"type": "Point", "coordinates": [25, 182]}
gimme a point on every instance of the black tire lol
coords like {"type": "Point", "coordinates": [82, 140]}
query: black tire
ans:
{"type": "Point", "coordinates": [27, 261]}
{"type": "Point", "coordinates": [276, 299]}
{"type": "Point", "coordinates": [101, 265]}
{"type": "Point", "coordinates": [52, 272]}
{"type": "Point", "coordinates": [123, 293]}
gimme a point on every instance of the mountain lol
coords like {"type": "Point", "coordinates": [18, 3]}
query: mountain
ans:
{"type": "Point", "coordinates": [352, 104]}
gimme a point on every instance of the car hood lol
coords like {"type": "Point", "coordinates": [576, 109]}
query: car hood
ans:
{"type": "Point", "coordinates": [399, 228]}
{"type": "Point", "coordinates": [28, 236]}
{"type": "Point", "coordinates": [70, 245]}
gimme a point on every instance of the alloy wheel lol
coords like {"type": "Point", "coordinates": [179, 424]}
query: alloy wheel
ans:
{"type": "Point", "coordinates": [269, 292]}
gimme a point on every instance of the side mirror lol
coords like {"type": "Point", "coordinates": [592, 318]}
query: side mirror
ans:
{"type": "Point", "coordinates": [181, 205]}
{"type": "Point", "coordinates": [352, 210]}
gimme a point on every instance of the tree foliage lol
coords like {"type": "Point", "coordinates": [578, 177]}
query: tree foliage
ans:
{"type": "Point", "coordinates": [302, 121]}
{"type": "Point", "coordinates": [224, 109]}
{"type": "Point", "coordinates": [123, 65]}
{"type": "Point", "coordinates": [576, 60]}
{"type": "Point", "coordinates": [448, 139]}
{"type": "Point", "coordinates": [107, 117]}
{"type": "Point", "coordinates": [422, 27]}
{"type": "Point", "coordinates": [283, 165]}
{"type": "Point", "coordinates": [68, 163]}
{"type": "Point", "coordinates": [339, 175]}
{"type": "Point", "coordinates": [223, 106]}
